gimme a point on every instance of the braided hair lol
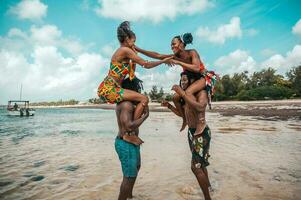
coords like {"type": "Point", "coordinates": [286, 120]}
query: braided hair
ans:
{"type": "Point", "coordinates": [124, 31]}
{"type": "Point", "coordinates": [186, 38]}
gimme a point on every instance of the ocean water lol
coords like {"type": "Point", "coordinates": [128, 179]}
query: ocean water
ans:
{"type": "Point", "coordinates": [69, 154]}
{"type": "Point", "coordinates": [38, 148]}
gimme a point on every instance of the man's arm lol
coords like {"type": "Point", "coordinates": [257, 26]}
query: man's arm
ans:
{"type": "Point", "coordinates": [172, 108]}
{"type": "Point", "coordinates": [126, 118]}
{"type": "Point", "coordinates": [199, 104]}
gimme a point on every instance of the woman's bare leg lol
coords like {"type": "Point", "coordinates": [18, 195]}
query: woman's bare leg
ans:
{"type": "Point", "coordinates": [196, 86]}
{"type": "Point", "coordinates": [176, 100]}
{"type": "Point", "coordinates": [130, 95]}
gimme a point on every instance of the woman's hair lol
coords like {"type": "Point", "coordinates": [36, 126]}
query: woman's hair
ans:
{"type": "Point", "coordinates": [191, 76]}
{"type": "Point", "coordinates": [124, 31]}
{"type": "Point", "coordinates": [186, 38]}
{"type": "Point", "coordinates": [135, 84]}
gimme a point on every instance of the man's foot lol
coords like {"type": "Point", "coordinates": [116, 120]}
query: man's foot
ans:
{"type": "Point", "coordinates": [134, 139]}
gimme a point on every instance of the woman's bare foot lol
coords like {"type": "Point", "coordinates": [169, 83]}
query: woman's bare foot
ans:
{"type": "Point", "coordinates": [199, 130]}
{"type": "Point", "coordinates": [184, 124]}
{"type": "Point", "coordinates": [134, 139]}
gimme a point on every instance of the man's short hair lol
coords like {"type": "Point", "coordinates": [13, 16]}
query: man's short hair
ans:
{"type": "Point", "coordinates": [135, 84]}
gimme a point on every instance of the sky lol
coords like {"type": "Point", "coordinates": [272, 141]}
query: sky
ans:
{"type": "Point", "coordinates": [62, 49]}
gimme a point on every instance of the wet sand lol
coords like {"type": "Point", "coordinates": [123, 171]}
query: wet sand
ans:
{"type": "Point", "coordinates": [251, 158]}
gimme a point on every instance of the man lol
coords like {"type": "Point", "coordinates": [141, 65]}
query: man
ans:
{"type": "Point", "coordinates": [127, 143]}
{"type": "Point", "coordinates": [194, 111]}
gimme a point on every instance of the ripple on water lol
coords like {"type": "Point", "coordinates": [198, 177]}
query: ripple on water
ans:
{"type": "Point", "coordinates": [39, 163]}
{"type": "Point", "coordinates": [71, 132]}
{"type": "Point", "coordinates": [70, 168]}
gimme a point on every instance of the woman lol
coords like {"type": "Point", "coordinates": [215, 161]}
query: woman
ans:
{"type": "Point", "coordinates": [190, 60]}
{"type": "Point", "coordinates": [122, 64]}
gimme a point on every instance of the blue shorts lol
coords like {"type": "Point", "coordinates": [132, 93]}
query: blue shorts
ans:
{"type": "Point", "coordinates": [129, 156]}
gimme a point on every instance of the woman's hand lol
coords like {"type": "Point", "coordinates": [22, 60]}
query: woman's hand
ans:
{"type": "Point", "coordinates": [168, 61]}
{"type": "Point", "coordinates": [175, 62]}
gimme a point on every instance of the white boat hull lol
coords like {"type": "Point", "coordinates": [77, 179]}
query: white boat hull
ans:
{"type": "Point", "coordinates": [18, 113]}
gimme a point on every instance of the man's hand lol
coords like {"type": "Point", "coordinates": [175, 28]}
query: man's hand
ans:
{"type": "Point", "coordinates": [178, 90]}
{"type": "Point", "coordinates": [146, 112]}
{"type": "Point", "coordinates": [165, 103]}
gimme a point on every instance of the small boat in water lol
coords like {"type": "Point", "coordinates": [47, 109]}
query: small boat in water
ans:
{"type": "Point", "coordinates": [19, 108]}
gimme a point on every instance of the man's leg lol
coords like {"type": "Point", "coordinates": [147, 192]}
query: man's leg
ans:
{"type": "Point", "coordinates": [206, 173]}
{"type": "Point", "coordinates": [125, 187]}
{"type": "Point", "coordinates": [133, 180]}
{"type": "Point", "coordinates": [202, 179]}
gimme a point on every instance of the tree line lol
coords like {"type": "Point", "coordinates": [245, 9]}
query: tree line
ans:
{"type": "Point", "coordinates": [263, 85]}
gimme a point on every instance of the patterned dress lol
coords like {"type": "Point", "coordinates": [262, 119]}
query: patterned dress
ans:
{"type": "Point", "coordinates": [110, 89]}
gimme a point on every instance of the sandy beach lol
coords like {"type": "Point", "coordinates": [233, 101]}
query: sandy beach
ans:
{"type": "Point", "coordinates": [252, 157]}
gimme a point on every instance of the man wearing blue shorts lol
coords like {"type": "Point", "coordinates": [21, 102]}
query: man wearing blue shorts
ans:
{"type": "Point", "coordinates": [127, 142]}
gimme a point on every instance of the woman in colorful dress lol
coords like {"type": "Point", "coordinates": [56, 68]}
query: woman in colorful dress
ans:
{"type": "Point", "coordinates": [123, 64]}
{"type": "Point", "coordinates": [190, 60]}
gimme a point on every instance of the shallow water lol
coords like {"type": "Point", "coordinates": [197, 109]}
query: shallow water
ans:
{"type": "Point", "coordinates": [69, 154]}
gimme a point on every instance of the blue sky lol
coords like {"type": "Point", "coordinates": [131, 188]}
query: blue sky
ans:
{"type": "Point", "coordinates": [61, 49]}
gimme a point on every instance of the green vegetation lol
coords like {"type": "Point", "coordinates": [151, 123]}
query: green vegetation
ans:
{"type": "Point", "coordinates": [55, 103]}
{"type": "Point", "coordinates": [265, 84]}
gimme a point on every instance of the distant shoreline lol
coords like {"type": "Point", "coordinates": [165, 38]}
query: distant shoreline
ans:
{"type": "Point", "coordinates": [276, 109]}
{"type": "Point", "coordinates": [268, 109]}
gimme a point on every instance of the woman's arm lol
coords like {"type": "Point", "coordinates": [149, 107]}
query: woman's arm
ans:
{"type": "Point", "coordinates": [152, 54]}
{"type": "Point", "coordinates": [146, 64]}
{"type": "Point", "coordinates": [196, 62]}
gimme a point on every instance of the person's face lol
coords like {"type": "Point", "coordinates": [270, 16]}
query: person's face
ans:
{"type": "Point", "coordinates": [184, 82]}
{"type": "Point", "coordinates": [176, 45]}
{"type": "Point", "coordinates": [131, 41]}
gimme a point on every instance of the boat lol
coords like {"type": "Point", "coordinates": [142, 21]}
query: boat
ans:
{"type": "Point", "coordinates": [19, 108]}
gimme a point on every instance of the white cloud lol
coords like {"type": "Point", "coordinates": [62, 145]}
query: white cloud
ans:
{"type": "Point", "coordinates": [161, 79]}
{"type": "Point", "coordinates": [239, 60]}
{"type": "Point", "coordinates": [252, 32]}
{"type": "Point", "coordinates": [109, 49]}
{"type": "Point", "coordinates": [150, 10]}
{"type": "Point", "coordinates": [236, 61]}
{"type": "Point", "coordinates": [15, 32]}
{"type": "Point", "coordinates": [297, 28]}
{"type": "Point", "coordinates": [37, 59]}
{"type": "Point", "coordinates": [29, 9]}
{"type": "Point", "coordinates": [267, 52]}
{"type": "Point", "coordinates": [222, 33]}
{"type": "Point", "coordinates": [283, 63]}
{"type": "Point", "coordinates": [50, 75]}
{"type": "Point", "coordinates": [45, 35]}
